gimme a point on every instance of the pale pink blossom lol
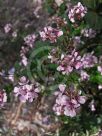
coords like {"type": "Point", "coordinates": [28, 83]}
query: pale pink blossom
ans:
{"type": "Point", "coordinates": [23, 80]}
{"type": "Point", "coordinates": [70, 109]}
{"type": "Point", "coordinates": [70, 62]}
{"type": "Point", "coordinates": [74, 62]}
{"type": "Point", "coordinates": [89, 60]}
{"type": "Point", "coordinates": [14, 34]}
{"type": "Point", "coordinates": [50, 33]}
{"type": "Point", "coordinates": [84, 75]}
{"type": "Point", "coordinates": [90, 33]}
{"type": "Point", "coordinates": [26, 91]}
{"type": "Point", "coordinates": [7, 28]}
{"type": "Point", "coordinates": [77, 12]}
{"type": "Point", "coordinates": [62, 87]}
{"type": "Point", "coordinates": [29, 40]}
{"type": "Point", "coordinates": [67, 101]}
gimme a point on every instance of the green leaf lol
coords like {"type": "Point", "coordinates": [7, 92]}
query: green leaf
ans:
{"type": "Point", "coordinates": [94, 20]}
{"type": "Point", "coordinates": [96, 78]}
{"type": "Point", "coordinates": [90, 3]}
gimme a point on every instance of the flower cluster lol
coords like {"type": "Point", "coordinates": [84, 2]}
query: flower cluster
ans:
{"type": "Point", "coordinates": [77, 12]}
{"type": "Point", "coordinates": [74, 61]}
{"type": "Point", "coordinates": [8, 29]}
{"type": "Point", "coordinates": [26, 91]}
{"type": "Point", "coordinates": [68, 101]}
{"type": "Point", "coordinates": [51, 34]}
{"type": "Point", "coordinates": [90, 33]}
{"type": "Point", "coordinates": [3, 98]}
{"type": "Point", "coordinates": [29, 40]}
{"type": "Point", "coordinates": [89, 60]}
{"type": "Point", "coordinates": [70, 62]}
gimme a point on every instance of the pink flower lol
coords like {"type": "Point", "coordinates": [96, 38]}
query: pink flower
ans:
{"type": "Point", "coordinates": [70, 108]}
{"type": "Point", "coordinates": [29, 40]}
{"type": "Point", "coordinates": [3, 98]}
{"type": "Point", "coordinates": [23, 80]}
{"type": "Point", "coordinates": [77, 12]}
{"type": "Point", "coordinates": [81, 99]}
{"type": "Point", "coordinates": [62, 87]}
{"type": "Point", "coordinates": [67, 101]}
{"type": "Point", "coordinates": [14, 34]}
{"type": "Point", "coordinates": [51, 34]}
{"type": "Point", "coordinates": [69, 63]}
{"type": "Point", "coordinates": [26, 91]}
{"type": "Point", "coordinates": [88, 33]}
{"type": "Point", "coordinates": [60, 68]}
{"type": "Point", "coordinates": [84, 75]}
{"type": "Point", "coordinates": [7, 28]}
{"type": "Point", "coordinates": [74, 61]}
{"type": "Point", "coordinates": [89, 60]}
